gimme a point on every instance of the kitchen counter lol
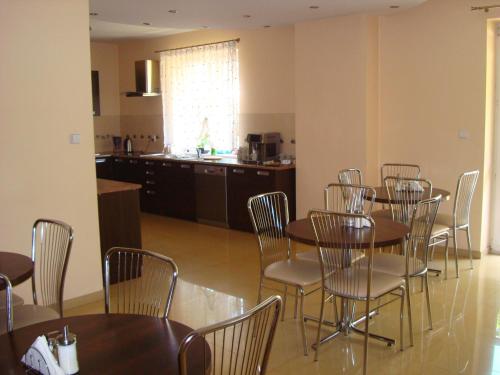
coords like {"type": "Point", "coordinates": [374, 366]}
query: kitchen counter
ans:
{"type": "Point", "coordinates": [110, 186]}
{"type": "Point", "coordinates": [224, 162]}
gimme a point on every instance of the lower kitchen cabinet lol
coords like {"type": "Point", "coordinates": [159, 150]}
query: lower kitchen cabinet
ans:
{"type": "Point", "coordinates": [244, 183]}
{"type": "Point", "coordinates": [177, 186]}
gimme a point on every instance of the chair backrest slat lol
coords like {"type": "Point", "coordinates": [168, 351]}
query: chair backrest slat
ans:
{"type": "Point", "coordinates": [463, 198]}
{"type": "Point", "coordinates": [350, 176]}
{"type": "Point", "coordinates": [349, 198]}
{"type": "Point", "coordinates": [399, 170]}
{"type": "Point", "coordinates": [139, 282]}
{"type": "Point", "coordinates": [240, 345]}
{"type": "Point", "coordinates": [404, 194]}
{"type": "Point", "coordinates": [269, 215]}
{"type": "Point", "coordinates": [50, 250]}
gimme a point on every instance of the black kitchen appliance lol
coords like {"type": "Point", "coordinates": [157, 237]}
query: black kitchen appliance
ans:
{"type": "Point", "coordinates": [263, 147]}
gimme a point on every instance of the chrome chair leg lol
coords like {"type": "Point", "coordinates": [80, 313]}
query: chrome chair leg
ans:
{"type": "Point", "coordinates": [296, 303]}
{"type": "Point", "coordinates": [367, 320]}
{"type": "Point", "coordinates": [446, 260]}
{"type": "Point", "coordinates": [401, 317]}
{"type": "Point", "coordinates": [408, 303]}
{"type": "Point", "coordinates": [456, 257]}
{"type": "Point", "coordinates": [303, 322]}
{"type": "Point", "coordinates": [428, 301]}
{"type": "Point", "coordinates": [470, 247]}
{"type": "Point", "coordinates": [455, 240]}
{"type": "Point", "coordinates": [321, 315]}
{"type": "Point", "coordinates": [284, 303]}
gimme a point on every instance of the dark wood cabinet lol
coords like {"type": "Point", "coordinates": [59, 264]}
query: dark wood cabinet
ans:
{"type": "Point", "coordinates": [169, 186]}
{"type": "Point", "coordinates": [244, 183]}
{"type": "Point", "coordinates": [103, 166]}
{"type": "Point", "coordinates": [177, 186]}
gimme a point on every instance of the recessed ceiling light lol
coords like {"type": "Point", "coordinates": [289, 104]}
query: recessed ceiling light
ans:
{"type": "Point", "coordinates": [314, 7]}
{"type": "Point", "coordinates": [246, 16]}
{"type": "Point", "coordinates": [146, 23]}
{"type": "Point", "coordinates": [173, 11]}
{"type": "Point", "coordinates": [93, 14]}
{"type": "Point", "coordinates": [394, 6]}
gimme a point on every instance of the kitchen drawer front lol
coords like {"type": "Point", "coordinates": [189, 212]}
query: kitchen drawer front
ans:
{"type": "Point", "coordinates": [244, 183]}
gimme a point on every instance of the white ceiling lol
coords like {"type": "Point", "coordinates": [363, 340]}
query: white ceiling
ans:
{"type": "Point", "coordinates": [118, 19]}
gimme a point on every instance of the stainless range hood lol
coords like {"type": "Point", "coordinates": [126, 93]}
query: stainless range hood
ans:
{"type": "Point", "coordinates": [147, 78]}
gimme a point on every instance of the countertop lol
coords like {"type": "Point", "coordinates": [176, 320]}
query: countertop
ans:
{"type": "Point", "coordinates": [111, 186]}
{"type": "Point", "coordinates": [224, 162]}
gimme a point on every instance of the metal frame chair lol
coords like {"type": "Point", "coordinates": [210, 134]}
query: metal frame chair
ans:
{"type": "Point", "coordinates": [240, 345]}
{"type": "Point", "coordinates": [349, 198]}
{"type": "Point", "coordinates": [8, 302]}
{"type": "Point", "coordinates": [399, 170]}
{"type": "Point", "coordinates": [269, 216]}
{"type": "Point", "coordinates": [350, 176]}
{"type": "Point", "coordinates": [341, 249]}
{"type": "Point", "coordinates": [403, 201]}
{"type": "Point", "coordinates": [460, 219]}
{"type": "Point", "coordinates": [50, 250]}
{"type": "Point", "coordinates": [141, 279]}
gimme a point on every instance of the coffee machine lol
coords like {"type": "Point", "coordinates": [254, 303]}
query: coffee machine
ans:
{"type": "Point", "coordinates": [263, 147]}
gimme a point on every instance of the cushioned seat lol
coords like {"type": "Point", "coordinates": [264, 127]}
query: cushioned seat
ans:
{"type": "Point", "coordinates": [381, 284]}
{"type": "Point", "coordinates": [444, 219]}
{"type": "Point", "coordinates": [295, 272]}
{"type": "Point", "coordinates": [26, 315]}
{"type": "Point", "coordinates": [310, 256]}
{"type": "Point", "coordinates": [439, 229]}
{"type": "Point", "coordinates": [393, 264]}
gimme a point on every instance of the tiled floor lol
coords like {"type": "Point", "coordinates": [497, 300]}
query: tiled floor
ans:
{"type": "Point", "coordinates": [219, 272]}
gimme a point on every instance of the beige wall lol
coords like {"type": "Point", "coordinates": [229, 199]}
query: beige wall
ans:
{"type": "Point", "coordinates": [45, 65]}
{"type": "Point", "coordinates": [266, 80]}
{"type": "Point", "coordinates": [104, 59]}
{"type": "Point", "coordinates": [336, 102]}
{"type": "Point", "coordinates": [433, 83]}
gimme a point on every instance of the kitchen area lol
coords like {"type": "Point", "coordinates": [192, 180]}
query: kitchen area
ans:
{"type": "Point", "coordinates": [199, 184]}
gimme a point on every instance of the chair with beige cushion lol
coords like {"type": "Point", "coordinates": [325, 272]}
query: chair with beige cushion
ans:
{"type": "Point", "coordinates": [269, 216]}
{"type": "Point", "coordinates": [350, 176]}
{"type": "Point", "coordinates": [139, 282]}
{"type": "Point", "coordinates": [415, 261]}
{"type": "Point", "coordinates": [240, 345]}
{"type": "Point", "coordinates": [449, 225]}
{"type": "Point", "coordinates": [51, 247]}
{"type": "Point", "coordinates": [346, 198]}
{"type": "Point", "coordinates": [338, 245]}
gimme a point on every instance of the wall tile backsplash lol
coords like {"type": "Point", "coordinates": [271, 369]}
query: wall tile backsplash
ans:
{"type": "Point", "coordinates": [146, 131]}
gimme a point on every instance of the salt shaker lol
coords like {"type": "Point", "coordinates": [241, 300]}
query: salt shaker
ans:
{"type": "Point", "coordinates": [66, 352]}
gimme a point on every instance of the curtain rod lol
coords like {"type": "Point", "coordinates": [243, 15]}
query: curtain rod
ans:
{"type": "Point", "coordinates": [237, 40]}
{"type": "Point", "coordinates": [486, 8]}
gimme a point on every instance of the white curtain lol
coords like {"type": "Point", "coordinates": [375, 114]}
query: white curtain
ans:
{"type": "Point", "coordinates": [201, 85]}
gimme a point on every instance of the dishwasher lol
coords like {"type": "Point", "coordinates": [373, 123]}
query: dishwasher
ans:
{"type": "Point", "coordinates": [211, 194]}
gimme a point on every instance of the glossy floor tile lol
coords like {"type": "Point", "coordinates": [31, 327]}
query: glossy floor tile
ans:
{"type": "Point", "coordinates": [219, 277]}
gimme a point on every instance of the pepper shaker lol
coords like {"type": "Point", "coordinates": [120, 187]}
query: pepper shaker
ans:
{"type": "Point", "coordinates": [66, 352]}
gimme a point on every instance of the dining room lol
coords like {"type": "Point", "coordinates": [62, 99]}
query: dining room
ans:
{"type": "Point", "coordinates": [386, 114]}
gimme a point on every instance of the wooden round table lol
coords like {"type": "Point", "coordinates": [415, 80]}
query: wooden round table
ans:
{"type": "Point", "coordinates": [382, 196]}
{"type": "Point", "coordinates": [111, 344]}
{"type": "Point", "coordinates": [387, 233]}
{"type": "Point", "coordinates": [16, 267]}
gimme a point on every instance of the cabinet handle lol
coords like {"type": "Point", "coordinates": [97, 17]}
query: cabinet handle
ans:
{"type": "Point", "coordinates": [239, 171]}
{"type": "Point", "coordinates": [167, 165]}
{"type": "Point", "coordinates": [132, 161]}
{"type": "Point", "coordinates": [185, 166]}
{"type": "Point", "coordinates": [118, 161]}
{"type": "Point", "coordinates": [150, 192]}
{"type": "Point", "coordinates": [150, 163]}
{"type": "Point", "coordinates": [150, 173]}
{"type": "Point", "coordinates": [262, 173]}
{"type": "Point", "coordinates": [150, 182]}
{"type": "Point", "coordinates": [98, 161]}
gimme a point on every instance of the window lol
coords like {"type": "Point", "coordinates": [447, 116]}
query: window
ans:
{"type": "Point", "coordinates": [200, 95]}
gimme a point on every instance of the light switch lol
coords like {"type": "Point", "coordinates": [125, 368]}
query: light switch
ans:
{"type": "Point", "coordinates": [74, 138]}
{"type": "Point", "coordinates": [463, 134]}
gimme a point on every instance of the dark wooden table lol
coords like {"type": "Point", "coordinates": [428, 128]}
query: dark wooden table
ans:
{"type": "Point", "coordinates": [110, 344]}
{"type": "Point", "coordinates": [383, 197]}
{"type": "Point", "coordinates": [387, 232]}
{"type": "Point", "coordinates": [16, 267]}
